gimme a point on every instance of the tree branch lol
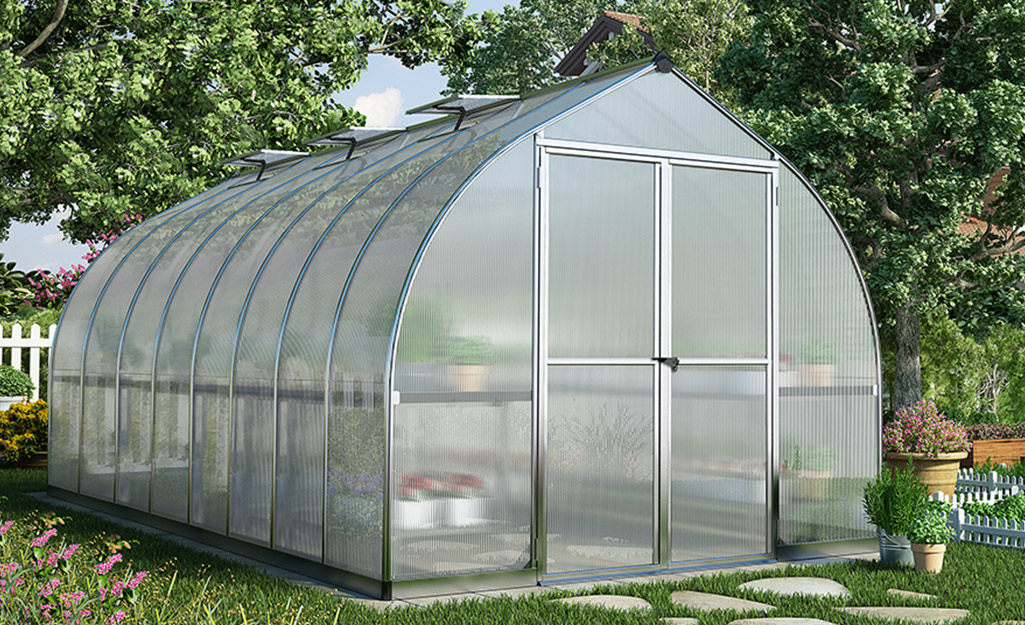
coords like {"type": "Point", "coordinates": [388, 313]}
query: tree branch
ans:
{"type": "Point", "coordinates": [58, 15]}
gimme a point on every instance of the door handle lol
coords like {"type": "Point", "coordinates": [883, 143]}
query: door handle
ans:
{"type": "Point", "coordinates": [671, 361]}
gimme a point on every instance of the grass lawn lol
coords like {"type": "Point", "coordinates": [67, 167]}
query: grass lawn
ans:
{"type": "Point", "coordinates": [188, 587]}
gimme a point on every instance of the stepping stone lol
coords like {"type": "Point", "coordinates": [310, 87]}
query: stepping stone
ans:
{"type": "Point", "coordinates": [679, 620]}
{"type": "Point", "coordinates": [780, 621]}
{"type": "Point", "coordinates": [708, 601]}
{"type": "Point", "coordinates": [814, 586]}
{"type": "Point", "coordinates": [922, 615]}
{"type": "Point", "coordinates": [616, 602]}
{"type": "Point", "coordinates": [907, 594]}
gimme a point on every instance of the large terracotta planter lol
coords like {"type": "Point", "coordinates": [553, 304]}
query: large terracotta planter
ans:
{"type": "Point", "coordinates": [928, 558]}
{"type": "Point", "coordinates": [937, 473]}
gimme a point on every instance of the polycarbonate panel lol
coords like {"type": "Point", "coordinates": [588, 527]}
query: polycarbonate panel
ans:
{"type": "Point", "coordinates": [462, 427]}
{"type": "Point", "coordinates": [718, 462]}
{"type": "Point", "coordinates": [175, 316]}
{"type": "Point", "coordinates": [601, 267]}
{"type": "Point", "coordinates": [599, 475]}
{"type": "Point", "coordinates": [299, 467]}
{"type": "Point", "coordinates": [659, 111]}
{"type": "Point", "coordinates": [366, 320]}
{"type": "Point", "coordinates": [66, 353]}
{"type": "Point", "coordinates": [99, 420]}
{"type": "Point", "coordinates": [829, 419]}
{"type": "Point", "coordinates": [719, 267]}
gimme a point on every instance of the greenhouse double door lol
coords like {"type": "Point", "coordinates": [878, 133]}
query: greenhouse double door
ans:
{"type": "Point", "coordinates": [655, 308]}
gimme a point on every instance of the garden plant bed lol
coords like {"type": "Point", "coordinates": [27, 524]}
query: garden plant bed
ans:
{"type": "Point", "coordinates": [980, 579]}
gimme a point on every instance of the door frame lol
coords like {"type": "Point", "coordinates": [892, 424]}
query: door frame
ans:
{"type": "Point", "coordinates": [663, 161]}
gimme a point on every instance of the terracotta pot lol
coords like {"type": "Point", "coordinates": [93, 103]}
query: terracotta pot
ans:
{"type": "Point", "coordinates": [470, 378]}
{"type": "Point", "coordinates": [817, 375]}
{"type": "Point", "coordinates": [928, 558]}
{"type": "Point", "coordinates": [937, 473]}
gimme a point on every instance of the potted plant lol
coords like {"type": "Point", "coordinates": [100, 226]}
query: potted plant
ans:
{"type": "Point", "coordinates": [929, 534]}
{"type": "Point", "coordinates": [818, 368]}
{"type": "Point", "coordinates": [471, 356]}
{"type": "Point", "coordinates": [936, 444]}
{"type": "Point", "coordinates": [812, 466]}
{"type": "Point", "coordinates": [892, 501]}
{"type": "Point", "coordinates": [15, 386]}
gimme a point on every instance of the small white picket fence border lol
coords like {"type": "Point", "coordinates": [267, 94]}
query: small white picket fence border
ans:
{"type": "Point", "coordinates": [34, 342]}
{"type": "Point", "coordinates": [974, 486]}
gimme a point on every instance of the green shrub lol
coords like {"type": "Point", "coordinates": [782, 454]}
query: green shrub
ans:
{"type": "Point", "coordinates": [23, 430]}
{"type": "Point", "coordinates": [1012, 507]}
{"type": "Point", "coordinates": [14, 383]}
{"type": "Point", "coordinates": [893, 500]}
{"type": "Point", "coordinates": [929, 528]}
{"type": "Point", "coordinates": [978, 508]}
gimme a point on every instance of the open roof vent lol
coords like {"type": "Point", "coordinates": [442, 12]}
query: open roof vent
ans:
{"type": "Point", "coordinates": [464, 105]}
{"type": "Point", "coordinates": [264, 159]}
{"type": "Point", "coordinates": [355, 136]}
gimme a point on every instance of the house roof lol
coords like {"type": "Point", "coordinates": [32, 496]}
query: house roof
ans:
{"type": "Point", "coordinates": [609, 24]}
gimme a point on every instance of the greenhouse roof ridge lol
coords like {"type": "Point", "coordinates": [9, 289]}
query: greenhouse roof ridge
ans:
{"type": "Point", "coordinates": [263, 159]}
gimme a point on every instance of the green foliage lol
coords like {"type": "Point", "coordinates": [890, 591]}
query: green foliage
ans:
{"type": "Point", "coordinates": [14, 383]}
{"type": "Point", "coordinates": [521, 46]}
{"type": "Point", "coordinates": [819, 353]}
{"type": "Point", "coordinates": [900, 114]}
{"type": "Point", "coordinates": [127, 107]}
{"type": "Point", "coordinates": [471, 350]}
{"type": "Point", "coordinates": [1012, 507]}
{"type": "Point", "coordinates": [23, 430]}
{"type": "Point", "coordinates": [978, 508]}
{"type": "Point", "coordinates": [893, 500]}
{"type": "Point", "coordinates": [1015, 470]}
{"type": "Point", "coordinates": [930, 528]}
{"type": "Point", "coordinates": [13, 288]}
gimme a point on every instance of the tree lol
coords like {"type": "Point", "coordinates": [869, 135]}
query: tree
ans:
{"type": "Point", "coordinates": [901, 111]}
{"type": "Point", "coordinates": [117, 108]}
{"type": "Point", "coordinates": [520, 47]}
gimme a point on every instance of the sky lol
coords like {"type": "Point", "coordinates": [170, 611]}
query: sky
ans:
{"type": "Point", "coordinates": [385, 91]}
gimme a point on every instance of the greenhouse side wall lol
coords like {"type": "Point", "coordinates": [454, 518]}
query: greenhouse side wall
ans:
{"type": "Point", "coordinates": [462, 424]}
{"type": "Point", "coordinates": [829, 421]}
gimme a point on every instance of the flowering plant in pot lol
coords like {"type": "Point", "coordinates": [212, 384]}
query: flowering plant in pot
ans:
{"type": "Point", "coordinates": [892, 501]}
{"type": "Point", "coordinates": [15, 386]}
{"type": "Point", "coordinates": [936, 444]}
{"type": "Point", "coordinates": [929, 534]}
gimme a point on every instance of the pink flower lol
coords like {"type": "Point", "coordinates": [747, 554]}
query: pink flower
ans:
{"type": "Point", "coordinates": [116, 618]}
{"type": "Point", "coordinates": [69, 599]}
{"type": "Point", "coordinates": [6, 526]}
{"type": "Point", "coordinates": [105, 567]}
{"type": "Point", "coordinates": [135, 580]}
{"type": "Point", "coordinates": [45, 538]}
{"type": "Point", "coordinates": [70, 551]}
{"type": "Point", "coordinates": [47, 589]}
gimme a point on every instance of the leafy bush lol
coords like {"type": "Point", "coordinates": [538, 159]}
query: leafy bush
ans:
{"type": "Point", "coordinates": [922, 428]}
{"type": "Point", "coordinates": [893, 500]}
{"type": "Point", "coordinates": [1012, 507]}
{"type": "Point", "coordinates": [14, 383]}
{"type": "Point", "coordinates": [988, 432]}
{"type": "Point", "coordinates": [930, 528]}
{"type": "Point", "coordinates": [1015, 470]}
{"type": "Point", "coordinates": [23, 430]}
{"type": "Point", "coordinates": [978, 508]}
{"type": "Point", "coordinates": [43, 585]}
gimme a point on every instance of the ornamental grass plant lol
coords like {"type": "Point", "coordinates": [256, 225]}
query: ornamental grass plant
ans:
{"type": "Point", "coordinates": [893, 500]}
{"type": "Point", "coordinates": [923, 429]}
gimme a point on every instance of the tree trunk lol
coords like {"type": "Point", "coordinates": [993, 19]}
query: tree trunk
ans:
{"type": "Point", "coordinates": [907, 372]}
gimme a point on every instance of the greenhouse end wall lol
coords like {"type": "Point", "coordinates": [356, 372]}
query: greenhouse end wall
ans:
{"type": "Point", "coordinates": [383, 370]}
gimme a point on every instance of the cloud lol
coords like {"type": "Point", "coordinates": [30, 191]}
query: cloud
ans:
{"type": "Point", "coordinates": [381, 109]}
{"type": "Point", "coordinates": [50, 239]}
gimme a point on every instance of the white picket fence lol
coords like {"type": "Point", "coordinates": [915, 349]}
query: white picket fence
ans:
{"type": "Point", "coordinates": [34, 342]}
{"type": "Point", "coordinates": [973, 486]}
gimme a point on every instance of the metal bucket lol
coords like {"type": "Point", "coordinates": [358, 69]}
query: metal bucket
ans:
{"type": "Point", "coordinates": [895, 550]}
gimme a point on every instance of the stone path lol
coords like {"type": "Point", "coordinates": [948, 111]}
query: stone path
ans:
{"type": "Point", "coordinates": [921, 615]}
{"type": "Point", "coordinates": [780, 621]}
{"type": "Point", "coordinates": [708, 601]}
{"type": "Point", "coordinates": [813, 586]}
{"type": "Point", "coordinates": [679, 620]}
{"type": "Point", "coordinates": [616, 602]}
{"type": "Point", "coordinates": [907, 594]}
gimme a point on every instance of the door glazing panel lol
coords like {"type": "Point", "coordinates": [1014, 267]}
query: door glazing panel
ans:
{"type": "Point", "coordinates": [601, 268]}
{"type": "Point", "coordinates": [600, 472]}
{"type": "Point", "coordinates": [718, 462]}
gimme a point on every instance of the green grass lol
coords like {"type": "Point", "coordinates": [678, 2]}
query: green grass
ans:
{"type": "Point", "coordinates": [990, 582]}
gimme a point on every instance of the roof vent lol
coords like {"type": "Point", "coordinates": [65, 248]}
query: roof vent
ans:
{"type": "Point", "coordinates": [264, 159]}
{"type": "Point", "coordinates": [355, 136]}
{"type": "Point", "coordinates": [464, 105]}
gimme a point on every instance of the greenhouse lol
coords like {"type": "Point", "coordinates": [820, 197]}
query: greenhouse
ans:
{"type": "Point", "coordinates": [600, 328]}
